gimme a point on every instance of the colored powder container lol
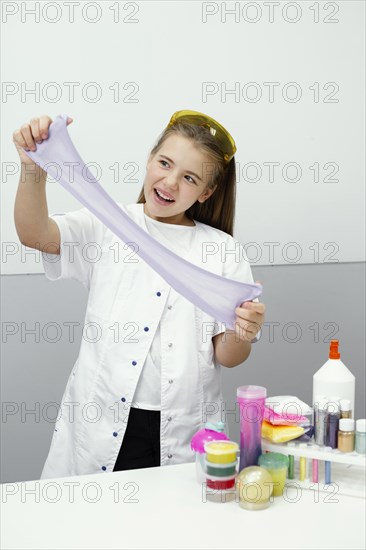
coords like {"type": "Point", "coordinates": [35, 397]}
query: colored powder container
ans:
{"type": "Point", "coordinates": [320, 420]}
{"type": "Point", "coordinates": [346, 411]}
{"type": "Point", "coordinates": [360, 445]}
{"type": "Point", "coordinates": [255, 487]}
{"type": "Point", "coordinates": [276, 465]}
{"type": "Point", "coordinates": [334, 414]}
{"type": "Point", "coordinates": [346, 435]}
{"type": "Point", "coordinates": [221, 452]}
{"type": "Point", "coordinates": [220, 483]}
{"type": "Point", "coordinates": [220, 470]}
{"type": "Point", "coordinates": [213, 431]}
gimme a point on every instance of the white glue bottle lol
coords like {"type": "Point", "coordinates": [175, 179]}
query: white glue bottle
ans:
{"type": "Point", "coordinates": [333, 378]}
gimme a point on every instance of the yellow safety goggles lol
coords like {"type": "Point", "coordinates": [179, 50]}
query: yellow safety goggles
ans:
{"type": "Point", "coordinates": [224, 139]}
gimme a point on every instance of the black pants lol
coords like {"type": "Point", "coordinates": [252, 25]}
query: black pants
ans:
{"type": "Point", "coordinates": [141, 443]}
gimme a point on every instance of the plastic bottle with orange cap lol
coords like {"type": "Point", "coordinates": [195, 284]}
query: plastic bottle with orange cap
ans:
{"type": "Point", "coordinates": [334, 378]}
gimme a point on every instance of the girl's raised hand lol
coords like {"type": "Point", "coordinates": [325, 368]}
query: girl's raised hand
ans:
{"type": "Point", "coordinates": [28, 135]}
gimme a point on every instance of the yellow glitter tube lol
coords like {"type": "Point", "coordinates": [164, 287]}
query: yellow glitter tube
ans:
{"type": "Point", "coordinates": [302, 468]}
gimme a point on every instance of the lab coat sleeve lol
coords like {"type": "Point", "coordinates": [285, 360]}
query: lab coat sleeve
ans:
{"type": "Point", "coordinates": [236, 266]}
{"type": "Point", "coordinates": [81, 235]}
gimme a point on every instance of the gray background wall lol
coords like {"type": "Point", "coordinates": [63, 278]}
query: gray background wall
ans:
{"type": "Point", "coordinates": [296, 296]}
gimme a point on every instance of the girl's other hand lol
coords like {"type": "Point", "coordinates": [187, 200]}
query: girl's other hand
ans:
{"type": "Point", "coordinates": [249, 319]}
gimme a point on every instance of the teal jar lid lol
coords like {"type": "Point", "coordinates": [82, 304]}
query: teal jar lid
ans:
{"type": "Point", "coordinates": [273, 461]}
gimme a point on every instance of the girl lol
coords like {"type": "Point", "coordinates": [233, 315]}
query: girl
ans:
{"type": "Point", "coordinates": [148, 372]}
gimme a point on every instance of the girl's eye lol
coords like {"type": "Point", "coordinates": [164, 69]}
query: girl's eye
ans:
{"type": "Point", "coordinates": [192, 180]}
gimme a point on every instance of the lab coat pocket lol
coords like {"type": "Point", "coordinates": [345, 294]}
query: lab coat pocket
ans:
{"type": "Point", "coordinates": [96, 332]}
{"type": "Point", "coordinates": [207, 356]}
{"type": "Point", "coordinates": [208, 370]}
{"type": "Point", "coordinates": [111, 284]}
{"type": "Point", "coordinates": [211, 386]}
{"type": "Point", "coordinates": [207, 327]}
{"type": "Point", "coordinates": [66, 398]}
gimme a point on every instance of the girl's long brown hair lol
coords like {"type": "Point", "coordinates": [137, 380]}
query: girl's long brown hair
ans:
{"type": "Point", "coordinates": [219, 209]}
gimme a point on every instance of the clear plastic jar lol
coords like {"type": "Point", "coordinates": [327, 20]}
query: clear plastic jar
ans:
{"type": "Point", "coordinates": [360, 446]}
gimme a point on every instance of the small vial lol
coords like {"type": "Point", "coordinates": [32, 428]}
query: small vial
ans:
{"type": "Point", "coordinates": [346, 435]}
{"type": "Point", "coordinates": [334, 413]}
{"type": "Point", "coordinates": [315, 466]}
{"type": "Point", "coordinates": [361, 436]}
{"type": "Point", "coordinates": [327, 468]}
{"type": "Point", "coordinates": [291, 461]}
{"type": "Point", "coordinates": [320, 420]}
{"type": "Point", "coordinates": [303, 464]}
{"type": "Point", "coordinates": [346, 411]}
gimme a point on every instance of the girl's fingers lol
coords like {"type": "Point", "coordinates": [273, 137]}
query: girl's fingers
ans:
{"type": "Point", "coordinates": [27, 136]}
{"type": "Point", "coordinates": [34, 124]}
{"type": "Point", "coordinates": [19, 140]}
{"type": "Point", "coordinates": [250, 316]}
{"type": "Point", "coordinates": [257, 308]}
{"type": "Point", "coordinates": [249, 331]}
{"type": "Point", "coordinates": [35, 132]}
{"type": "Point", "coordinates": [44, 123]}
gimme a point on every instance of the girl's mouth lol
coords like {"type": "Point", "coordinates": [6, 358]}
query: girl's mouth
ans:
{"type": "Point", "coordinates": [160, 200]}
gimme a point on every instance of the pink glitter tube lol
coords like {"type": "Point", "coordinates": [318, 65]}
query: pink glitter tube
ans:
{"type": "Point", "coordinates": [251, 401]}
{"type": "Point", "coordinates": [315, 469]}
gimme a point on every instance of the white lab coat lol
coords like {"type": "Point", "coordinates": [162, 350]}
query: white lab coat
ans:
{"type": "Point", "coordinates": [127, 300]}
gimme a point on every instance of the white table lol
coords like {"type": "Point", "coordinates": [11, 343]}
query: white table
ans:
{"type": "Point", "coordinates": [165, 507]}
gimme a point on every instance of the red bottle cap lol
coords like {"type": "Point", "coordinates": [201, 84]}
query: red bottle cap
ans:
{"type": "Point", "coordinates": [333, 351]}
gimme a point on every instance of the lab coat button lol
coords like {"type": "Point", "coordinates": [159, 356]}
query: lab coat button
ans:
{"type": "Point", "coordinates": [170, 344]}
{"type": "Point", "coordinates": [158, 293]}
{"type": "Point", "coordinates": [123, 399]}
{"type": "Point", "coordinates": [115, 434]}
{"type": "Point", "coordinates": [170, 307]}
{"type": "Point", "coordinates": [134, 362]}
{"type": "Point", "coordinates": [104, 468]}
{"type": "Point", "coordinates": [170, 456]}
{"type": "Point", "coordinates": [146, 329]}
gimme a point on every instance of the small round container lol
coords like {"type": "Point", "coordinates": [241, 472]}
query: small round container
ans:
{"type": "Point", "coordinates": [221, 452]}
{"type": "Point", "coordinates": [346, 435]}
{"type": "Point", "coordinates": [254, 486]}
{"type": "Point", "coordinates": [360, 445]}
{"type": "Point", "coordinates": [212, 431]}
{"type": "Point", "coordinates": [220, 483]}
{"type": "Point", "coordinates": [346, 411]}
{"type": "Point", "coordinates": [220, 470]}
{"type": "Point", "coordinates": [277, 466]}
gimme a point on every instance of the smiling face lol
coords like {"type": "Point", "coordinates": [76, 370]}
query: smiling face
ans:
{"type": "Point", "coordinates": [179, 171]}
